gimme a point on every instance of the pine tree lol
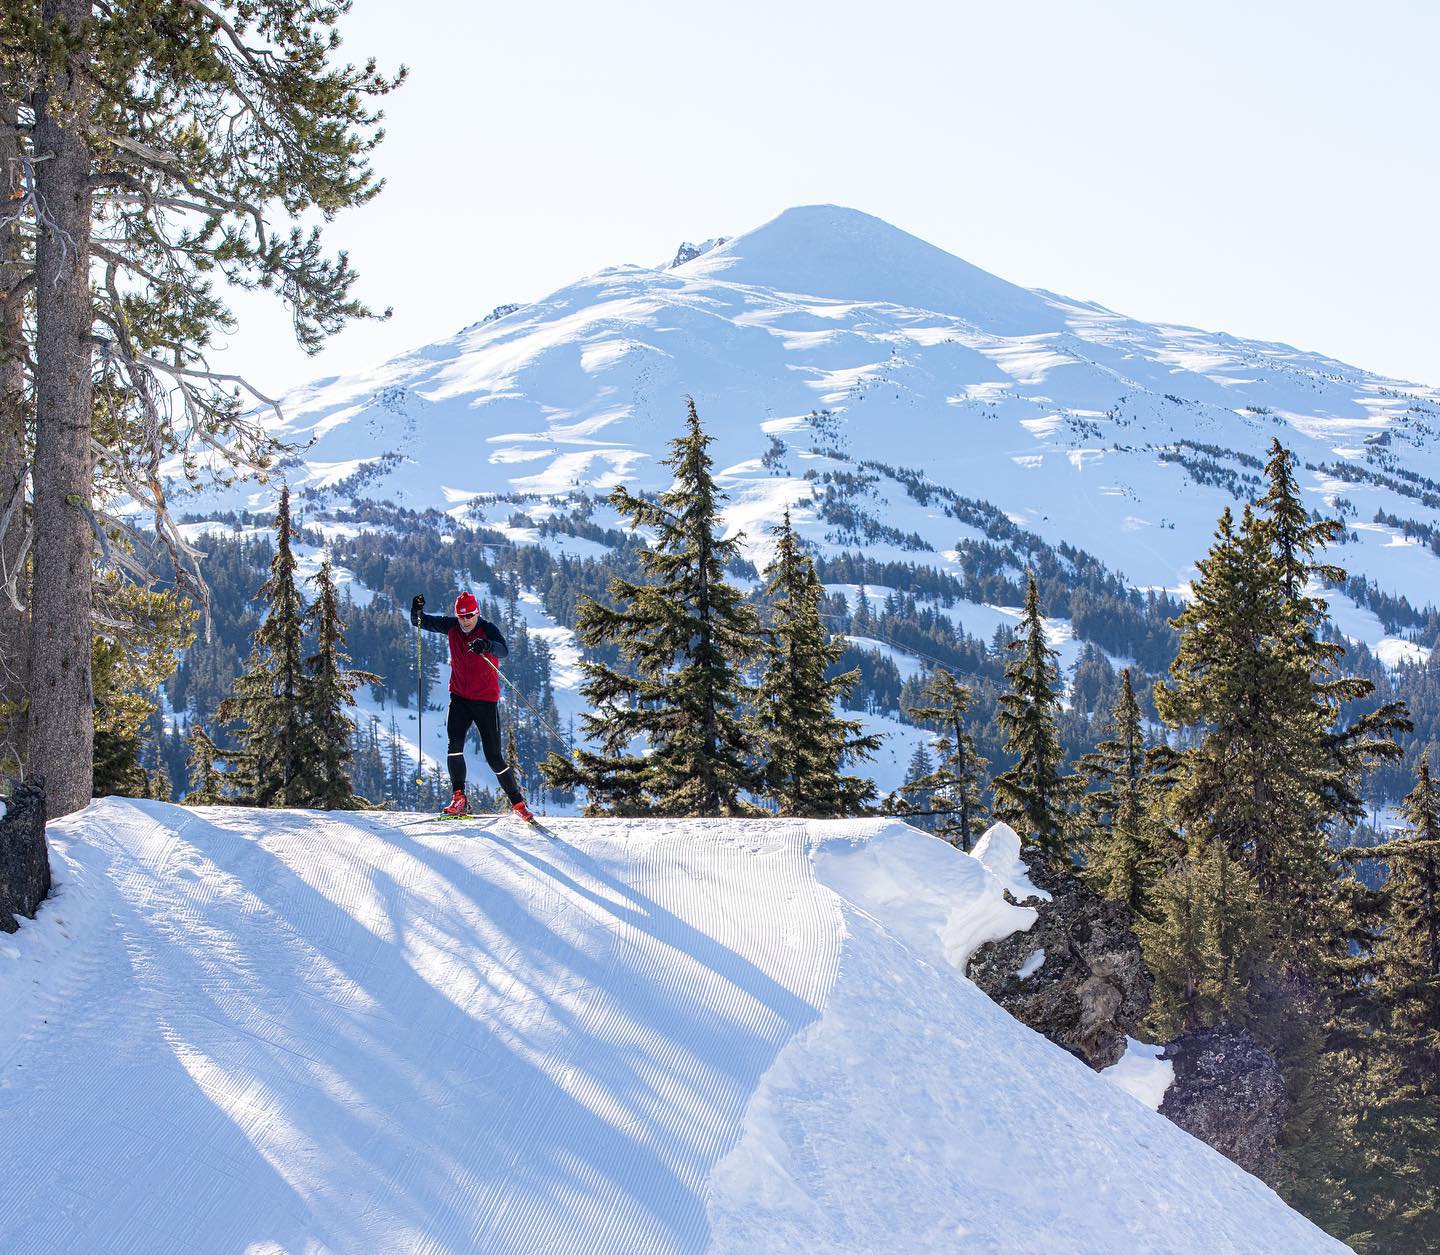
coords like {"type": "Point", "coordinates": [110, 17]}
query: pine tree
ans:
{"type": "Point", "coordinates": [138, 653]}
{"type": "Point", "coordinates": [914, 797]}
{"type": "Point", "coordinates": [1204, 942]}
{"type": "Point", "coordinates": [1125, 845]}
{"type": "Point", "coordinates": [686, 637]}
{"type": "Point", "coordinates": [268, 702]}
{"type": "Point", "coordinates": [207, 787]}
{"type": "Point", "coordinates": [168, 141]}
{"type": "Point", "coordinates": [400, 779]}
{"type": "Point", "coordinates": [1408, 967]}
{"type": "Point", "coordinates": [1033, 797]}
{"type": "Point", "coordinates": [954, 788]}
{"type": "Point", "coordinates": [329, 690]}
{"type": "Point", "coordinates": [1369, 1169]}
{"type": "Point", "coordinates": [802, 742]}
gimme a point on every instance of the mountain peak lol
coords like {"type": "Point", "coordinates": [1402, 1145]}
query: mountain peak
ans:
{"type": "Point", "coordinates": [838, 253]}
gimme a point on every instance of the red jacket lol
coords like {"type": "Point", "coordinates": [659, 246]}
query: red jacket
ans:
{"type": "Point", "coordinates": [473, 676]}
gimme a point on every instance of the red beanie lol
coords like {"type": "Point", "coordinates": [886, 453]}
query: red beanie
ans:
{"type": "Point", "coordinates": [466, 604]}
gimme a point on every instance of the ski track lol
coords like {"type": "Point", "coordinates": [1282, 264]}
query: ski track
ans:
{"type": "Point", "coordinates": [280, 1039]}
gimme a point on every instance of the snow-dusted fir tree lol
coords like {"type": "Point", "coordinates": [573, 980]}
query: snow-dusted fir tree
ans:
{"type": "Point", "coordinates": [327, 693]}
{"type": "Point", "coordinates": [686, 637]}
{"type": "Point", "coordinates": [1033, 796]}
{"type": "Point", "coordinates": [801, 741]}
{"type": "Point", "coordinates": [954, 789]}
{"type": "Point", "coordinates": [267, 701]}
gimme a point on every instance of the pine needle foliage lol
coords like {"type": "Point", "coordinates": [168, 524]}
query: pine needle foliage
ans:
{"type": "Point", "coordinates": [953, 790]}
{"type": "Point", "coordinates": [685, 637]}
{"type": "Point", "coordinates": [1204, 944]}
{"type": "Point", "coordinates": [207, 782]}
{"type": "Point", "coordinates": [1033, 796]}
{"type": "Point", "coordinates": [1126, 846]}
{"type": "Point", "coordinates": [802, 742]}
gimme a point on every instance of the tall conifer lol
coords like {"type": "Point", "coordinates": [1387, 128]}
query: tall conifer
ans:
{"type": "Point", "coordinates": [268, 701]}
{"type": "Point", "coordinates": [1124, 841]}
{"type": "Point", "coordinates": [329, 691]}
{"type": "Point", "coordinates": [685, 638]}
{"type": "Point", "coordinates": [1033, 797]}
{"type": "Point", "coordinates": [802, 742]}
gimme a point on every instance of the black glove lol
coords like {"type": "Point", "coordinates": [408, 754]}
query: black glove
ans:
{"type": "Point", "coordinates": [480, 645]}
{"type": "Point", "coordinates": [417, 604]}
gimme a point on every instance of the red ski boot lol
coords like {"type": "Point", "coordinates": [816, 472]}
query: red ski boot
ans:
{"type": "Point", "coordinates": [521, 811]}
{"type": "Point", "coordinates": [458, 805]}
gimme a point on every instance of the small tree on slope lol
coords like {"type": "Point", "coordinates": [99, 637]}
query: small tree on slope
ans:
{"type": "Point", "coordinates": [803, 744]}
{"type": "Point", "coordinates": [329, 691]}
{"type": "Point", "coordinates": [685, 636]}
{"type": "Point", "coordinates": [1033, 797]}
{"type": "Point", "coordinates": [268, 698]}
{"type": "Point", "coordinates": [1125, 842]}
{"type": "Point", "coordinates": [953, 788]}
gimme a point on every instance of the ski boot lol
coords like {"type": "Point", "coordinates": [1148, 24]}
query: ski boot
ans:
{"type": "Point", "coordinates": [458, 805]}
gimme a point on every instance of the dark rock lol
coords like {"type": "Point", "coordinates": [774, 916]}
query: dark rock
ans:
{"type": "Point", "coordinates": [1228, 1091]}
{"type": "Point", "coordinates": [24, 858]}
{"type": "Point", "coordinates": [1093, 987]}
{"type": "Point", "coordinates": [689, 252]}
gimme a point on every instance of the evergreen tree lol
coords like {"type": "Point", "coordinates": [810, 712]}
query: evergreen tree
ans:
{"type": "Point", "coordinates": [1203, 944]}
{"type": "Point", "coordinates": [268, 702]}
{"type": "Point", "coordinates": [953, 788]}
{"type": "Point", "coordinates": [168, 142]}
{"type": "Point", "coordinates": [1125, 845]}
{"type": "Point", "coordinates": [802, 742]}
{"type": "Point", "coordinates": [1245, 683]}
{"type": "Point", "coordinates": [1033, 797]}
{"type": "Point", "coordinates": [329, 690]}
{"type": "Point", "coordinates": [207, 786]}
{"type": "Point", "coordinates": [913, 793]}
{"type": "Point", "coordinates": [129, 664]}
{"type": "Point", "coordinates": [1408, 956]}
{"type": "Point", "coordinates": [686, 637]}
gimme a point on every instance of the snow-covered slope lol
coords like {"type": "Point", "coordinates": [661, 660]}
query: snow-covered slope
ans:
{"type": "Point", "coordinates": [264, 1031]}
{"type": "Point", "coordinates": [825, 338]}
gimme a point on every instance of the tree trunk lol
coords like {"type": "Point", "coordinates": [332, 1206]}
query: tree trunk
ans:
{"type": "Point", "coordinates": [62, 720]}
{"type": "Point", "coordinates": [14, 628]}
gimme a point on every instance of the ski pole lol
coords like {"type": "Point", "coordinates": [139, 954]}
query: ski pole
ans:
{"type": "Point", "coordinates": [522, 697]}
{"type": "Point", "coordinates": [419, 707]}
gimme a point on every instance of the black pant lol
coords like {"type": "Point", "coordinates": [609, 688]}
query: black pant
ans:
{"type": "Point", "coordinates": [486, 717]}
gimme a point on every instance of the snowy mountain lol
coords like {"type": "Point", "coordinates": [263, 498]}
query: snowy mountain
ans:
{"type": "Point", "coordinates": [943, 403]}
{"type": "Point", "coordinates": [263, 1030]}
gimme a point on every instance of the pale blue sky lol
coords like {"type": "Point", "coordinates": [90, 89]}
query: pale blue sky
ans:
{"type": "Point", "coordinates": [1267, 169]}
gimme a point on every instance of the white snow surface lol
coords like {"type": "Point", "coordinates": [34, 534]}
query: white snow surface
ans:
{"type": "Point", "coordinates": [828, 331]}
{"type": "Point", "coordinates": [242, 1030]}
{"type": "Point", "coordinates": [1142, 1072]}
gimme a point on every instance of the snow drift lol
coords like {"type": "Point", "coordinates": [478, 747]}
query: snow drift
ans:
{"type": "Point", "coordinates": [262, 1030]}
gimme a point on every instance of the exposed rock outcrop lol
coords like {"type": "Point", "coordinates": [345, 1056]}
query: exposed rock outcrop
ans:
{"type": "Point", "coordinates": [1076, 976]}
{"type": "Point", "coordinates": [1228, 1092]}
{"type": "Point", "coordinates": [24, 859]}
{"type": "Point", "coordinates": [689, 252]}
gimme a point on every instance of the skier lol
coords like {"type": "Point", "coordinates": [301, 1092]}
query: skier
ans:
{"type": "Point", "coordinates": [476, 645]}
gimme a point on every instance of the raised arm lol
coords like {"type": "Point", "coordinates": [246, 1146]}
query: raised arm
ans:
{"type": "Point", "coordinates": [430, 622]}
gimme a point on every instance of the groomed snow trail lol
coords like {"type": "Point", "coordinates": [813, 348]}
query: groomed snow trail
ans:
{"type": "Point", "coordinates": [261, 1031]}
{"type": "Point", "coordinates": [332, 1034]}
